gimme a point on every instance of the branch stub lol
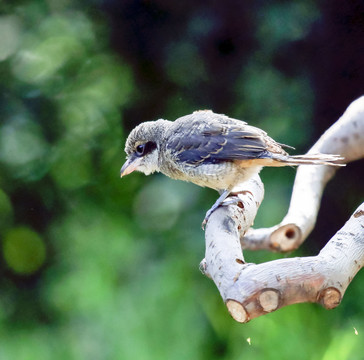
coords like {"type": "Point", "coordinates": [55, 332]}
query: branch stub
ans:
{"type": "Point", "coordinates": [237, 311]}
{"type": "Point", "coordinates": [330, 298]}
{"type": "Point", "coordinates": [269, 300]}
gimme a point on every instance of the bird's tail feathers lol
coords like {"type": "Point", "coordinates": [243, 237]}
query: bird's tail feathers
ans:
{"type": "Point", "coordinates": [313, 159]}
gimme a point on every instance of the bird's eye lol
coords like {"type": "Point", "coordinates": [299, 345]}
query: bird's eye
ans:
{"type": "Point", "coordinates": [146, 148]}
{"type": "Point", "coordinates": [140, 149]}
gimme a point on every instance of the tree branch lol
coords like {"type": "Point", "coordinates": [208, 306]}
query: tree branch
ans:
{"type": "Point", "coordinates": [237, 219]}
{"type": "Point", "coordinates": [251, 290]}
{"type": "Point", "coordinates": [346, 138]}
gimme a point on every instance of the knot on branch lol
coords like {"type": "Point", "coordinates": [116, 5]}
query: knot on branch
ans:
{"type": "Point", "coordinates": [203, 268]}
{"type": "Point", "coordinates": [329, 298]}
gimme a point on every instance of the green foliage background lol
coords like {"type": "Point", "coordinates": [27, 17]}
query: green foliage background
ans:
{"type": "Point", "coordinates": [94, 267]}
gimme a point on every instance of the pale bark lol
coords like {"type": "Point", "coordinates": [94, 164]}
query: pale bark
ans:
{"type": "Point", "coordinates": [345, 138]}
{"type": "Point", "coordinates": [251, 290]}
{"type": "Point", "coordinates": [236, 218]}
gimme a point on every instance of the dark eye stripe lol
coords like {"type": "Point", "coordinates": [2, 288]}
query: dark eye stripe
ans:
{"type": "Point", "coordinates": [146, 148]}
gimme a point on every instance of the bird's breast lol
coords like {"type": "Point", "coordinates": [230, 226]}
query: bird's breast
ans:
{"type": "Point", "coordinates": [220, 176]}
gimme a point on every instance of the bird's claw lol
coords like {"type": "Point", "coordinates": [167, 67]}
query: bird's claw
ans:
{"type": "Point", "coordinates": [204, 222]}
{"type": "Point", "coordinates": [220, 202]}
{"type": "Point", "coordinates": [207, 216]}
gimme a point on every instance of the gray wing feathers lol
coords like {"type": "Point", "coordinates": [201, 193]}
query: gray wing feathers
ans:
{"type": "Point", "coordinates": [204, 137]}
{"type": "Point", "coordinates": [200, 141]}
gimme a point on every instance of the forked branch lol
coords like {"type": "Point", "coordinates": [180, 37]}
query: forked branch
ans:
{"type": "Point", "coordinates": [251, 290]}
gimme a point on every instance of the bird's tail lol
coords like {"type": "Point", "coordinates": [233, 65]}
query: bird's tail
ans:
{"type": "Point", "coordinates": [312, 159]}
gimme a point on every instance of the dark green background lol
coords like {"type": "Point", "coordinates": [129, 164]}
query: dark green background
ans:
{"type": "Point", "coordinates": [94, 267]}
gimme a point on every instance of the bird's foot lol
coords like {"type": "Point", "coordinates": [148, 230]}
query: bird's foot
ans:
{"type": "Point", "coordinates": [207, 216]}
{"type": "Point", "coordinates": [218, 202]}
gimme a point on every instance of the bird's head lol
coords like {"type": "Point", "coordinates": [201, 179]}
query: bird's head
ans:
{"type": "Point", "coordinates": [142, 147]}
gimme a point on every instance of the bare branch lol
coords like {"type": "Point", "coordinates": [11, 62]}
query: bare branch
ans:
{"type": "Point", "coordinates": [237, 217]}
{"type": "Point", "coordinates": [346, 138]}
{"type": "Point", "coordinates": [251, 290]}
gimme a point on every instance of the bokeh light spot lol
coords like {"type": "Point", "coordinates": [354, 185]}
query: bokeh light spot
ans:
{"type": "Point", "coordinates": [21, 142]}
{"type": "Point", "coordinates": [72, 166]}
{"type": "Point", "coordinates": [23, 250]}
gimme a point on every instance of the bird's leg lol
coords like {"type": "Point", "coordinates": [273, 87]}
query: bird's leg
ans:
{"type": "Point", "coordinates": [218, 202]}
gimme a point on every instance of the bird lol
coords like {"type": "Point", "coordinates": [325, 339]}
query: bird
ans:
{"type": "Point", "coordinates": [210, 150]}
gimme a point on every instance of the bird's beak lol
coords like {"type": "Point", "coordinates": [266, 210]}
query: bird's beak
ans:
{"type": "Point", "coordinates": [129, 166]}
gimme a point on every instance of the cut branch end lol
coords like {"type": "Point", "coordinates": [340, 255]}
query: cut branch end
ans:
{"type": "Point", "coordinates": [269, 300]}
{"type": "Point", "coordinates": [237, 311]}
{"type": "Point", "coordinates": [286, 238]}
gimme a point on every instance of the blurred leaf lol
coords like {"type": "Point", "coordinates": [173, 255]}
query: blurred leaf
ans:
{"type": "Point", "coordinates": [10, 28]}
{"type": "Point", "coordinates": [282, 21]}
{"type": "Point", "coordinates": [42, 59]}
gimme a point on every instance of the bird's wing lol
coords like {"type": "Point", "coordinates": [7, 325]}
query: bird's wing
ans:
{"type": "Point", "coordinates": [208, 142]}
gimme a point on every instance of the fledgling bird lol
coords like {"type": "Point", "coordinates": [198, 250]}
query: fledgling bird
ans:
{"type": "Point", "coordinates": [210, 150]}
